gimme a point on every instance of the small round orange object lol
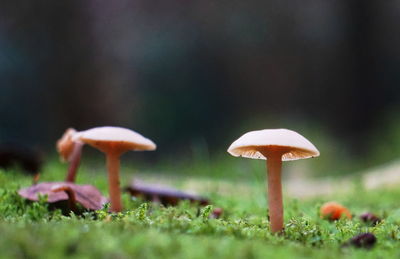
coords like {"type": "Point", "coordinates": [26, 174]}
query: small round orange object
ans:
{"type": "Point", "coordinates": [334, 211]}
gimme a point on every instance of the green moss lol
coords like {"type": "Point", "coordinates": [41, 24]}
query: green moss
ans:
{"type": "Point", "coordinates": [146, 230]}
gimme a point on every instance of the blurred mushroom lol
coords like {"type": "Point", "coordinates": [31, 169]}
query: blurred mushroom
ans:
{"type": "Point", "coordinates": [364, 240]}
{"type": "Point", "coordinates": [216, 213]}
{"type": "Point", "coordinates": [162, 194]}
{"type": "Point", "coordinates": [15, 154]}
{"type": "Point", "coordinates": [86, 195]}
{"type": "Point", "coordinates": [368, 217]}
{"type": "Point", "coordinates": [334, 211]}
{"type": "Point", "coordinates": [71, 151]}
{"type": "Point", "coordinates": [114, 141]}
{"type": "Point", "coordinates": [275, 146]}
{"type": "Point", "coordinates": [71, 195]}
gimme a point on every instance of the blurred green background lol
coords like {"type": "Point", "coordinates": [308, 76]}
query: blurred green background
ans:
{"type": "Point", "coordinates": [195, 75]}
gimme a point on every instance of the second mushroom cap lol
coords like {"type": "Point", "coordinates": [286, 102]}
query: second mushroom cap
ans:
{"type": "Point", "coordinates": [119, 139]}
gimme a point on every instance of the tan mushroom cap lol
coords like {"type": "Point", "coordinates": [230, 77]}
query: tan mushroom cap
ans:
{"type": "Point", "coordinates": [291, 144]}
{"type": "Point", "coordinates": [65, 144]}
{"type": "Point", "coordinates": [115, 139]}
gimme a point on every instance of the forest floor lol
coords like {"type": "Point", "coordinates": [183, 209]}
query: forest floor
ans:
{"type": "Point", "coordinates": [148, 230]}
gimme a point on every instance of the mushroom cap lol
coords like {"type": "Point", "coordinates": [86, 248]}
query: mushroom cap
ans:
{"type": "Point", "coordinates": [115, 139]}
{"type": "Point", "coordinates": [65, 145]}
{"type": "Point", "coordinates": [258, 144]}
{"type": "Point", "coordinates": [167, 195]}
{"type": "Point", "coordinates": [87, 195]}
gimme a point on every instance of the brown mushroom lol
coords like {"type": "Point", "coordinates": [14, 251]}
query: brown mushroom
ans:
{"type": "Point", "coordinates": [86, 195]}
{"type": "Point", "coordinates": [163, 194]}
{"type": "Point", "coordinates": [114, 141]}
{"type": "Point", "coordinates": [27, 158]}
{"type": "Point", "coordinates": [71, 151]}
{"type": "Point", "coordinates": [275, 146]}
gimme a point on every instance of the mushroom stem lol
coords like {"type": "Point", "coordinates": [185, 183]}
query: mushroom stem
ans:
{"type": "Point", "coordinates": [36, 178]}
{"type": "Point", "coordinates": [113, 181]}
{"type": "Point", "coordinates": [74, 162]}
{"type": "Point", "coordinates": [71, 196]}
{"type": "Point", "coordinates": [274, 165]}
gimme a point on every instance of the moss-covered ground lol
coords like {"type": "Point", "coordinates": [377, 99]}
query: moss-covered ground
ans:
{"type": "Point", "coordinates": [145, 230]}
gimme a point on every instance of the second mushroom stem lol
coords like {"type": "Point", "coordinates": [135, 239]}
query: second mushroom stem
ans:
{"type": "Point", "coordinates": [275, 203]}
{"type": "Point", "coordinates": [74, 162]}
{"type": "Point", "coordinates": [113, 181]}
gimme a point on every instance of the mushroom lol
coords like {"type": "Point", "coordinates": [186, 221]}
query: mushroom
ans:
{"type": "Point", "coordinates": [275, 146]}
{"type": "Point", "coordinates": [363, 240]}
{"type": "Point", "coordinates": [114, 141]}
{"type": "Point", "coordinates": [334, 211]}
{"type": "Point", "coordinates": [369, 217]}
{"type": "Point", "coordinates": [70, 150]}
{"type": "Point", "coordinates": [163, 194]}
{"type": "Point", "coordinates": [27, 158]}
{"type": "Point", "coordinates": [86, 195]}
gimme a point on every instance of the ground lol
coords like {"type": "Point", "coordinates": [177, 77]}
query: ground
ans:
{"type": "Point", "coordinates": [145, 230]}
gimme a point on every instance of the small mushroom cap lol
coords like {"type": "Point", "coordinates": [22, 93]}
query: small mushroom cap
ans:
{"type": "Point", "coordinates": [65, 145]}
{"type": "Point", "coordinates": [115, 139]}
{"type": "Point", "coordinates": [258, 144]}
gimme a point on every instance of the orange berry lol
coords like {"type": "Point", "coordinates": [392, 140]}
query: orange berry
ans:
{"type": "Point", "coordinates": [334, 211]}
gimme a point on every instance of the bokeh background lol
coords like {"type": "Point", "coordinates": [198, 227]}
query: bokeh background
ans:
{"type": "Point", "coordinates": [195, 75]}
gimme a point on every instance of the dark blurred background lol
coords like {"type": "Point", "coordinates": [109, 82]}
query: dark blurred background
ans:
{"type": "Point", "coordinates": [201, 73]}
